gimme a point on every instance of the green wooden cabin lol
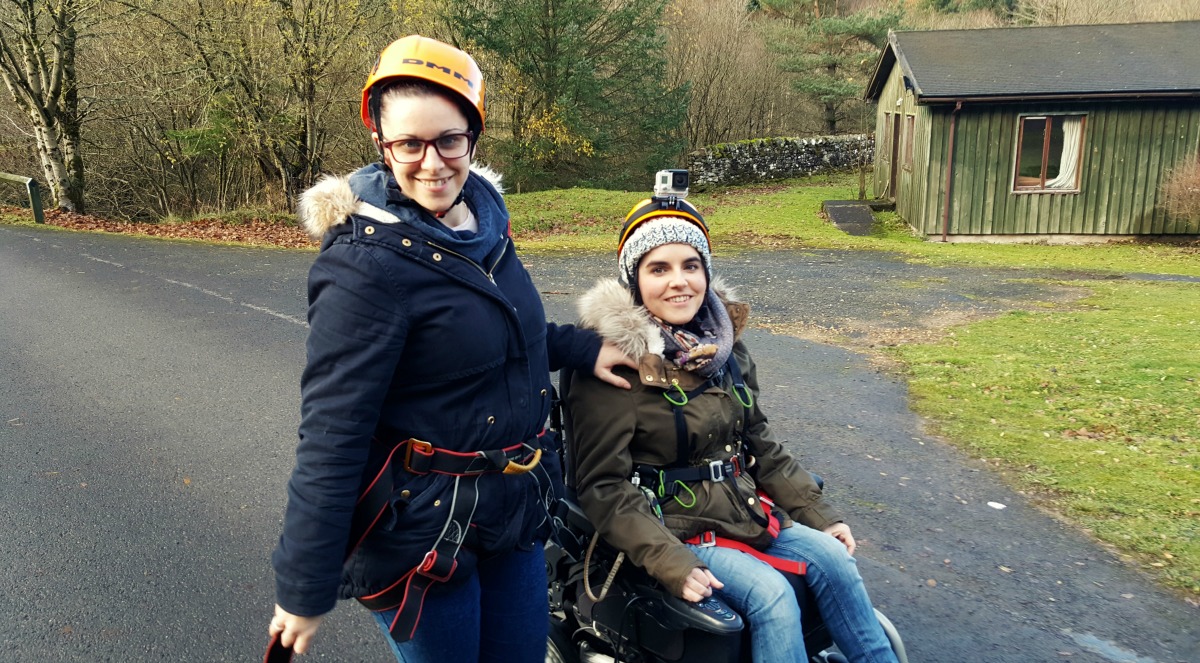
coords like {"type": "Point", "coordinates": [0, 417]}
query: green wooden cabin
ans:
{"type": "Point", "coordinates": [1022, 133]}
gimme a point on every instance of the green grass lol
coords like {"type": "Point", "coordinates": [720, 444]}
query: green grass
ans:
{"type": "Point", "coordinates": [787, 213]}
{"type": "Point", "coordinates": [782, 213]}
{"type": "Point", "coordinates": [1096, 410]}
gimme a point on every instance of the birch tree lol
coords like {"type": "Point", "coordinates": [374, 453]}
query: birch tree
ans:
{"type": "Point", "coordinates": [38, 42]}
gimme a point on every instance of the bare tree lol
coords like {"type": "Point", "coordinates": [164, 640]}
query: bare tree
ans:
{"type": "Point", "coordinates": [277, 68]}
{"type": "Point", "coordinates": [38, 43]}
{"type": "Point", "coordinates": [716, 48]}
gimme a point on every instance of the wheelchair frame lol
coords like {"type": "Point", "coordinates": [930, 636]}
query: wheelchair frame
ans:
{"type": "Point", "coordinates": [638, 621]}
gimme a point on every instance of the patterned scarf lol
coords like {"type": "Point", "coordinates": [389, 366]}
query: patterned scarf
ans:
{"type": "Point", "coordinates": [703, 345]}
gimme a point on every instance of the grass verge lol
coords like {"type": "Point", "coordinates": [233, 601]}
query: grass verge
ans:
{"type": "Point", "coordinates": [1094, 410]}
{"type": "Point", "coordinates": [788, 214]}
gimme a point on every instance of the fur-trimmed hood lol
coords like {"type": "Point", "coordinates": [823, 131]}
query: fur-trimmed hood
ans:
{"type": "Point", "coordinates": [331, 201]}
{"type": "Point", "coordinates": [609, 309]}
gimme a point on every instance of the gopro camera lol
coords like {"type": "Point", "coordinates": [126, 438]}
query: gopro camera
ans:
{"type": "Point", "coordinates": [671, 183]}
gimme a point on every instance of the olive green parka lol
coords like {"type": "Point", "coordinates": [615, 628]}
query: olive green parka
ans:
{"type": "Point", "coordinates": [614, 430]}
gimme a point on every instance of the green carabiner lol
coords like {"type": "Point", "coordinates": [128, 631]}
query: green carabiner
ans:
{"type": "Point", "coordinates": [737, 393]}
{"type": "Point", "coordinates": [684, 486]}
{"type": "Point", "coordinates": [667, 395]}
{"type": "Point", "coordinates": [662, 484]}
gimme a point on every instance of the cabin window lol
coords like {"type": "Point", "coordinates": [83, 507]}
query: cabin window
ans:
{"type": "Point", "coordinates": [1049, 148]}
{"type": "Point", "coordinates": [910, 125]}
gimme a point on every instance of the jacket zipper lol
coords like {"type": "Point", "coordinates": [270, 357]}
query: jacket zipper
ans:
{"type": "Point", "coordinates": [488, 271]}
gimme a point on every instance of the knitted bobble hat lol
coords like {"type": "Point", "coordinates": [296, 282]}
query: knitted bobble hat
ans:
{"type": "Point", "coordinates": [656, 232]}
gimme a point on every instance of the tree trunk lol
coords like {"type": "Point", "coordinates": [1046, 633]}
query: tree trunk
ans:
{"type": "Point", "coordinates": [41, 80]}
{"type": "Point", "coordinates": [68, 119]}
{"type": "Point", "coordinates": [831, 70]}
{"type": "Point", "coordinates": [54, 167]}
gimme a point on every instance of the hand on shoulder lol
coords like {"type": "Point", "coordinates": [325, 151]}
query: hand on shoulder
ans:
{"type": "Point", "coordinates": [609, 358]}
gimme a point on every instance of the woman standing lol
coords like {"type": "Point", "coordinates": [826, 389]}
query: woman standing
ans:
{"type": "Point", "coordinates": [679, 472]}
{"type": "Point", "coordinates": [422, 470]}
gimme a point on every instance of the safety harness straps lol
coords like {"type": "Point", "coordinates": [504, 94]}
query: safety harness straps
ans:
{"type": "Point", "coordinates": [707, 539]}
{"type": "Point", "coordinates": [407, 594]}
{"type": "Point", "coordinates": [667, 480]}
{"type": "Point", "coordinates": [674, 477]}
{"type": "Point", "coordinates": [421, 457]}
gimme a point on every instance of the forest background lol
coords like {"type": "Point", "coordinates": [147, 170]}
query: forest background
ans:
{"type": "Point", "coordinates": [151, 109]}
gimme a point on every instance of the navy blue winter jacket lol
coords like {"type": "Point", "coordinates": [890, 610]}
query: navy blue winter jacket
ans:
{"type": "Point", "coordinates": [411, 338]}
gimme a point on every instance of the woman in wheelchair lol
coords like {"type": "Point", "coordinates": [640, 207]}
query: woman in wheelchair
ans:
{"type": "Point", "coordinates": [682, 473]}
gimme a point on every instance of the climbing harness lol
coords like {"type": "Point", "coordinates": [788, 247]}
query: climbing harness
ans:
{"type": "Point", "coordinates": [407, 594]}
{"type": "Point", "coordinates": [671, 480]}
{"type": "Point", "coordinates": [709, 539]}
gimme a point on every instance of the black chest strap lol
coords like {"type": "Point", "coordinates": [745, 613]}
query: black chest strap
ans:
{"type": "Point", "coordinates": [679, 472]}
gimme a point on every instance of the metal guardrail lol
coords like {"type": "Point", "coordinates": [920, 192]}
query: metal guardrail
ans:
{"type": "Point", "coordinates": [35, 194]}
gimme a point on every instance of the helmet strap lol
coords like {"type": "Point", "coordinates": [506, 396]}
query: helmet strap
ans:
{"type": "Point", "coordinates": [459, 199]}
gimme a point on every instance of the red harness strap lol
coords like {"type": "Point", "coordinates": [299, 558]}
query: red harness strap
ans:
{"type": "Point", "coordinates": [407, 595]}
{"type": "Point", "coordinates": [710, 538]}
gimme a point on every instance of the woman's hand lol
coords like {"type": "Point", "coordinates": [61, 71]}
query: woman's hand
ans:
{"type": "Point", "coordinates": [699, 585]}
{"type": "Point", "coordinates": [609, 358]}
{"type": "Point", "coordinates": [295, 631]}
{"type": "Point", "coordinates": [841, 532]}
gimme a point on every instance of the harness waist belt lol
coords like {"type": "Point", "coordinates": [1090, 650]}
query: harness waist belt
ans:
{"type": "Point", "coordinates": [407, 594]}
{"type": "Point", "coordinates": [716, 471]}
{"type": "Point", "coordinates": [710, 538]}
{"type": "Point", "coordinates": [421, 457]}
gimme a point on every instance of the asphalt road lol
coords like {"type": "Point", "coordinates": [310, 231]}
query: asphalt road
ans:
{"type": "Point", "coordinates": [148, 406]}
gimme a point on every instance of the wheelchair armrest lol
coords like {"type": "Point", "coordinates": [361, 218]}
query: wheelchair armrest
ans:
{"type": "Point", "coordinates": [570, 513]}
{"type": "Point", "coordinates": [711, 614]}
{"type": "Point", "coordinates": [571, 528]}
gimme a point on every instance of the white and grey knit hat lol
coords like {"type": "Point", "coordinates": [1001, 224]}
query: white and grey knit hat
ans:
{"type": "Point", "coordinates": [656, 232]}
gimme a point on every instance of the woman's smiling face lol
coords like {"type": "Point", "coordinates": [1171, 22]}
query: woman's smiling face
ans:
{"type": "Point", "coordinates": [434, 181]}
{"type": "Point", "coordinates": [672, 282]}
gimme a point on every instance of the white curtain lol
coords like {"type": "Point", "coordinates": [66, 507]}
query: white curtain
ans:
{"type": "Point", "coordinates": [1068, 165]}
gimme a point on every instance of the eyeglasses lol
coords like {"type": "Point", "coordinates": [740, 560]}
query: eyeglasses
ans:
{"type": "Point", "coordinates": [412, 150]}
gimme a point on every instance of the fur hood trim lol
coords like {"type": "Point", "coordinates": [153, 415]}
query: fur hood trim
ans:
{"type": "Point", "coordinates": [608, 308]}
{"type": "Point", "coordinates": [330, 202]}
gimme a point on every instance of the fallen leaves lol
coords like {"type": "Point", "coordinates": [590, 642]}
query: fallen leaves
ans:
{"type": "Point", "coordinates": [257, 231]}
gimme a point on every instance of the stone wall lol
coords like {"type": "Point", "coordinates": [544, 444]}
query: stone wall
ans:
{"type": "Point", "coordinates": [749, 161]}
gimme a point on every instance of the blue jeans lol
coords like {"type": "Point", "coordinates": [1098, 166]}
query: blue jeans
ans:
{"type": "Point", "coordinates": [767, 601]}
{"type": "Point", "coordinates": [500, 615]}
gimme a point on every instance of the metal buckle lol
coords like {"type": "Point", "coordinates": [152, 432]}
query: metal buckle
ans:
{"type": "Point", "coordinates": [426, 567]}
{"type": "Point", "coordinates": [422, 447]}
{"type": "Point", "coordinates": [716, 470]}
{"type": "Point", "coordinates": [707, 539]}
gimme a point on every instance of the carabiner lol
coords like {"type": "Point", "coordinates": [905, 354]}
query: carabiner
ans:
{"type": "Point", "coordinates": [667, 395]}
{"type": "Point", "coordinates": [689, 492]}
{"type": "Point", "coordinates": [737, 393]}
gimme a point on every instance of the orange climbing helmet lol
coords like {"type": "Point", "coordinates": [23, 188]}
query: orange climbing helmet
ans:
{"type": "Point", "coordinates": [427, 59]}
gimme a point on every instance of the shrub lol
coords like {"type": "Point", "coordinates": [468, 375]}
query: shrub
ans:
{"type": "Point", "coordinates": [1180, 193]}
